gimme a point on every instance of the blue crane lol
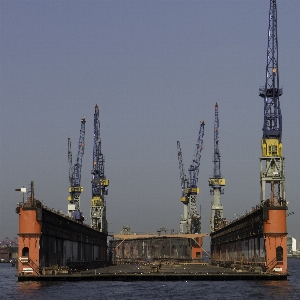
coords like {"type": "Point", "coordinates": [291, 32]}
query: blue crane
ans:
{"type": "Point", "coordinates": [183, 178]}
{"type": "Point", "coordinates": [189, 187]}
{"type": "Point", "coordinates": [99, 181]}
{"type": "Point", "coordinates": [193, 190]}
{"type": "Point", "coordinates": [216, 181]}
{"type": "Point", "coordinates": [75, 188]}
{"type": "Point", "coordinates": [272, 170]}
{"type": "Point", "coordinates": [184, 199]}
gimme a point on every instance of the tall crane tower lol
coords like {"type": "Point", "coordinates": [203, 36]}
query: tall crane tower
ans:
{"type": "Point", "coordinates": [189, 187]}
{"type": "Point", "coordinates": [99, 181]}
{"type": "Point", "coordinates": [184, 185]}
{"type": "Point", "coordinates": [272, 170]}
{"type": "Point", "coordinates": [75, 188]}
{"type": "Point", "coordinates": [216, 181]}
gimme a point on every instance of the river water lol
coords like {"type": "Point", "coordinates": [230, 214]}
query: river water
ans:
{"type": "Point", "coordinates": [10, 288]}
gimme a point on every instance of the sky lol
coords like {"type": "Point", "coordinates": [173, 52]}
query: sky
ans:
{"type": "Point", "coordinates": [155, 69]}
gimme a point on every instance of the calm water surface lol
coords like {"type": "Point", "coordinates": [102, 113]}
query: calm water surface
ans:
{"type": "Point", "coordinates": [10, 288]}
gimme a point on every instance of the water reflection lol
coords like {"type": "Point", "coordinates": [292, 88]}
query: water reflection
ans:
{"type": "Point", "coordinates": [28, 288]}
{"type": "Point", "coordinates": [286, 289]}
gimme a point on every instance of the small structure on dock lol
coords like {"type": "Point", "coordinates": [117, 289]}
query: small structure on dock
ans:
{"type": "Point", "coordinates": [127, 247]}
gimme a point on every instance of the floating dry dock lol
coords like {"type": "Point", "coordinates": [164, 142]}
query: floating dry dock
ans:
{"type": "Point", "coordinates": [166, 272]}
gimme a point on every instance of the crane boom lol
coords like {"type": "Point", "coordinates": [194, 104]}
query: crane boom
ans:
{"type": "Point", "coordinates": [194, 167]}
{"type": "Point", "coordinates": [272, 126]}
{"type": "Point", "coordinates": [217, 156]}
{"type": "Point", "coordinates": [99, 181]}
{"type": "Point", "coordinates": [75, 176]}
{"type": "Point", "coordinates": [182, 173]}
{"type": "Point", "coordinates": [71, 170]}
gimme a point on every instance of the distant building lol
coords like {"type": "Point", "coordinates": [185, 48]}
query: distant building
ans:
{"type": "Point", "coordinates": [291, 245]}
{"type": "Point", "coordinates": [8, 253]}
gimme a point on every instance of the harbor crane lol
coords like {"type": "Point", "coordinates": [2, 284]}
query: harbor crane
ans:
{"type": "Point", "coordinates": [99, 181]}
{"type": "Point", "coordinates": [272, 170]}
{"type": "Point", "coordinates": [184, 185]}
{"type": "Point", "coordinates": [75, 188]}
{"type": "Point", "coordinates": [216, 181]}
{"type": "Point", "coordinates": [191, 217]}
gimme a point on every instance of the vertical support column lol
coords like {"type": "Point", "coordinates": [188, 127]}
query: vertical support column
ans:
{"type": "Point", "coordinates": [197, 249]}
{"type": "Point", "coordinates": [275, 237]}
{"type": "Point", "coordinates": [29, 241]}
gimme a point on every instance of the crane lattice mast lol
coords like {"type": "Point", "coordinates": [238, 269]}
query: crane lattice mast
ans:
{"type": "Point", "coordinates": [76, 189]}
{"type": "Point", "coordinates": [272, 169]}
{"type": "Point", "coordinates": [216, 181]}
{"type": "Point", "coordinates": [99, 181]}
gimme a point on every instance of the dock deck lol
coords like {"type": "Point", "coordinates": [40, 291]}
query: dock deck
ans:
{"type": "Point", "coordinates": [180, 272]}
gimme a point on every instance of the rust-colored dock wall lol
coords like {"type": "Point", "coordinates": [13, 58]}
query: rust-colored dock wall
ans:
{"type": "Point", "coordinates": [48, 238]}
{"type": "Point", "coordinates": [258, 239]}
{"type": "Point", "coordinates": [275, 233]}
{"type": "Point", "coordinates": [156, 248]}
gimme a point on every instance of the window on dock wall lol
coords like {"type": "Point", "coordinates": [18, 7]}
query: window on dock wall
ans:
{"type": "Point", "coordinates": [279, 253]}
{"type": "Point", "coordinates": [25, 251]}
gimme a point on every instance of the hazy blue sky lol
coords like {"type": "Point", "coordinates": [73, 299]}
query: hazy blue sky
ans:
{"type": "Point", "coordinates": [156, 69]}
